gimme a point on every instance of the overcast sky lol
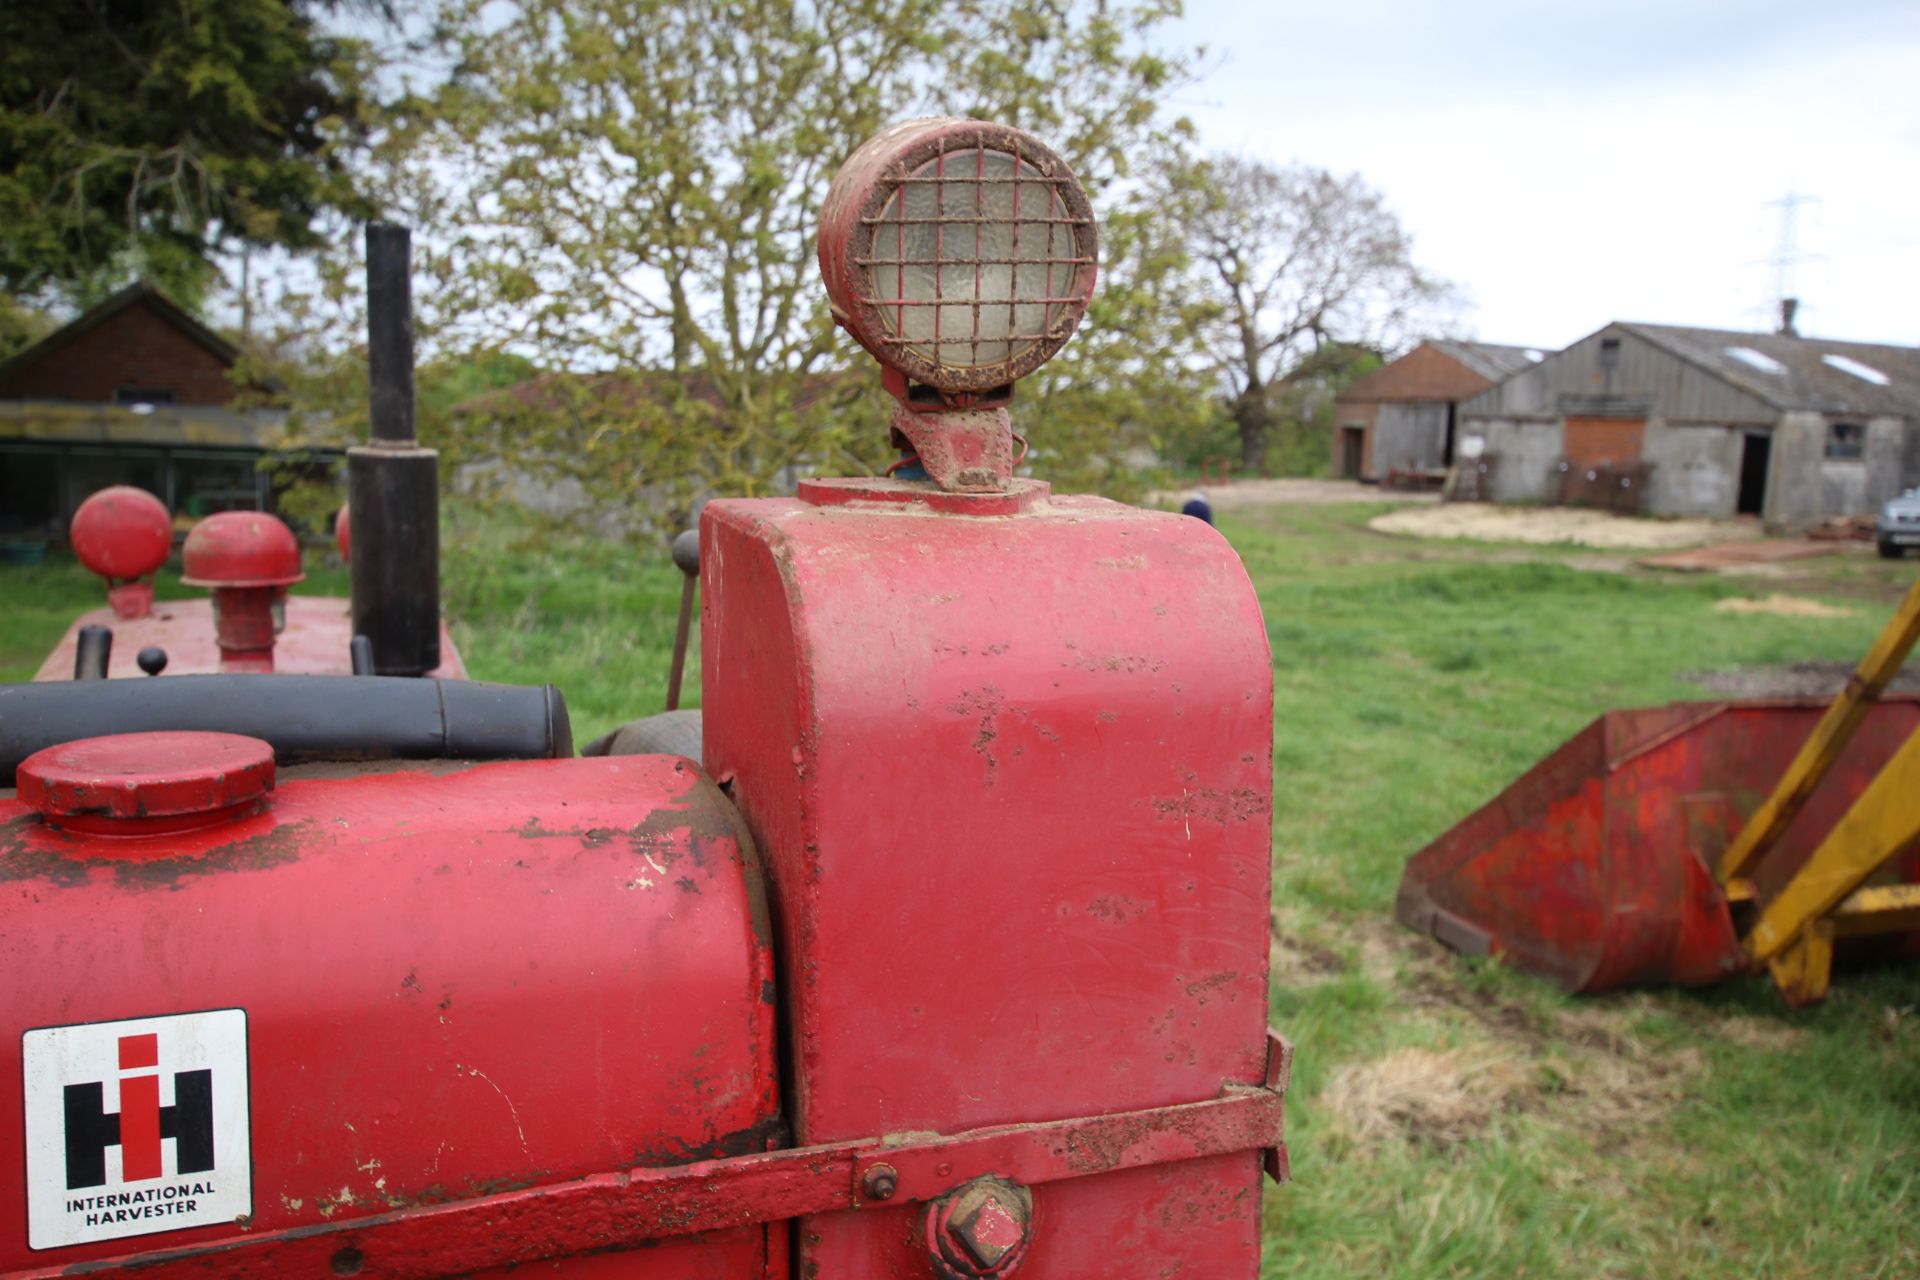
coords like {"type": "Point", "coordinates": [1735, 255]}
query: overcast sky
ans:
{"type": "Point", "coordinates": [1572, 164]}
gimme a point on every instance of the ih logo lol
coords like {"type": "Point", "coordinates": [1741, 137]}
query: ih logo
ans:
{"type": "Point", "coordinates": [141, 1121]}
{"type": "Point", "coordinates": [136, 1126]}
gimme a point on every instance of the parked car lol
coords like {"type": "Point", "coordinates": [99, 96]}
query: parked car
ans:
{"type": "Point", "coordinates": [1899, 525]}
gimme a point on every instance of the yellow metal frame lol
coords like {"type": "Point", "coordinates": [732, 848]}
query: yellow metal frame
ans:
{"type": "Point", "coordinates": [1825, 743]}
{"type": "Point", "coordinates": [1795, 932]}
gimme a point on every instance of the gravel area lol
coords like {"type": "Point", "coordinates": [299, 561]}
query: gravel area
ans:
{"type": "Point", "coordinates": [1266, 493]}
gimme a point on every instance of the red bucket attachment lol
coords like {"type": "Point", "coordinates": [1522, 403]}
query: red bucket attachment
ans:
{"type": "Point", "coordinates": [1595, 869]}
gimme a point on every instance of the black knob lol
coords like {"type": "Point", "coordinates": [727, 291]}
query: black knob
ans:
{"type": "Point", "coordinates": [152, 659]}
{"type": "Point", "coordinates": [686, 552]}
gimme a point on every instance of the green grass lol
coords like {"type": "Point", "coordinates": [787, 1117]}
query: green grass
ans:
{"type": "Point", "coordinates": [1662, 1134]}
{"type": "Point", "coordinates": [1413, 681]}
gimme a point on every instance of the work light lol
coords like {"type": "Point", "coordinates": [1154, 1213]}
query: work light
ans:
{"type": "Point", "coordinates": [960, 253]}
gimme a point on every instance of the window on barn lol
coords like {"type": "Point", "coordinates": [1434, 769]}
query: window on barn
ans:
{"type": "Point", "coordinates": [1609, 353]}
{"type": "Point", "coordinates": [1846, 441]}
{"type": "Point", "coordinates": [143, 395]}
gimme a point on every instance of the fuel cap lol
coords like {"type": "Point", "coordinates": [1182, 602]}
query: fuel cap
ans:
{"type": "Point", "coordinates": [146, 783]}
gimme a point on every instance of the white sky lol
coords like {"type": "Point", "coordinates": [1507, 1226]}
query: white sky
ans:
{"type": "Point", "coordinates": [1571, 164]}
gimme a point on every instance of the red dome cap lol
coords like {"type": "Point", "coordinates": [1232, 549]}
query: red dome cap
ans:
{"type": "Point", "coordinates": [146, 783]}
{"type": "Point", "coordinates": [121, 532]}
{"type": "Point", "coordinates": [241, 549]}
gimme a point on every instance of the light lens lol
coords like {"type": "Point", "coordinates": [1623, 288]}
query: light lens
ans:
{"type": "Point", "coordinates": [973, 259]}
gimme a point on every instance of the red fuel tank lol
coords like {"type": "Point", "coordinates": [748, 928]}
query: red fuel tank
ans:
{"type": "Point", "coordinates": [367, 988]}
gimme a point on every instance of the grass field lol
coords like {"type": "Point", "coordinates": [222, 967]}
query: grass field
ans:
{"type": "Point", "coordinates": [1448, 1119]}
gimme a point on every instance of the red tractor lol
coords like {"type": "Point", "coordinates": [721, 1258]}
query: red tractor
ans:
{"type": "Point", "coordinates": [948, 957]}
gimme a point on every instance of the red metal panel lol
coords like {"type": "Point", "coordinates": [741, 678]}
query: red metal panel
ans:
{"type": "Point", "coordinates": [456, 980]}
{"type": "Point", "coordinates": [1012, 777]}
{"type": "Point", "coordinates": [313, 642]}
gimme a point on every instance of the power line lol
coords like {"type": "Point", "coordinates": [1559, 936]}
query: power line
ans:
{"type": "Point", "coordinates": [1787, 256]}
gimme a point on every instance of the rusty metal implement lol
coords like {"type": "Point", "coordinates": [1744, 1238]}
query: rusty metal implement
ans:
{"type": "Point", "coordinates": [1692, 842]}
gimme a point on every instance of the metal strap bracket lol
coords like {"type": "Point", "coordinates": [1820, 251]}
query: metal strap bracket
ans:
{"type": "Point", "coordinates": [626, 1208]}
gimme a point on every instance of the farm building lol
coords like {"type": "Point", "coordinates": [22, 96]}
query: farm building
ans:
{"type": "Point", "coordinates": [1706, 422]}
{"type": "Point", "coordinates": [135, 391]}
{"type": "Point", "coordinates": [1403, 417]}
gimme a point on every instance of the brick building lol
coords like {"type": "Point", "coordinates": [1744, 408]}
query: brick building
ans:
{"type": "Point", "coordinates": [1403, 417]}
{"type": "Point", "coordinates": [136, 391]}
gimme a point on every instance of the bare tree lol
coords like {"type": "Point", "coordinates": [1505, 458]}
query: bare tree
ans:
{"type": "Point", "coordinates": [1294, 259]}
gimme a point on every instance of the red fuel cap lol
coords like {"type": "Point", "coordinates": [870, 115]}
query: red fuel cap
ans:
{"type": "Point", "coordinates": [146, 783]}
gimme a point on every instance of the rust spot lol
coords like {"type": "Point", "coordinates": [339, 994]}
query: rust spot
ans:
{"type": "Point", "coordinates": [1114, 909]}
{"type": "Point", "coordinates": [30, 851]}
{"type": "Point", "coordinates": [987, 702]}
{"type": "Point", "coordinates": [1201, 988]}
{"type": "Point", "coordinates": [1128, 664]}
{"type": "Point", "coordinates": [1242, 804]}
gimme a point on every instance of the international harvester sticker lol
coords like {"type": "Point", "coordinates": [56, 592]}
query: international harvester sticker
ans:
{"type": "Point", "coordinates": [137, 1126]}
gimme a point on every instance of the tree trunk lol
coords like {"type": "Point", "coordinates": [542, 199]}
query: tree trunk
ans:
{"type": "Point", "coordinates": [1251, 416]}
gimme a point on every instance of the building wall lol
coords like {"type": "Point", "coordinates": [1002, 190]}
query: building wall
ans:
{"type": "Point", "coordinates": [1696, 469]}
{"type": "Point", "coordinates": [1360, 414]}
{"type": "Point", "coordinates": [1397, 403]}
{"type": "Point", "coordinates": [1796, 494]}
{"type": "Point", "coordinates": [1527, 450]}
{"type": "Point", "coordinates": [1886, 461]}
{"type": "Point", "coordinates": [133, 348]}
{"type": "Point", "coordinates": [1807, 486]}
{"type": "Point", "coordinates": [1409, 436]}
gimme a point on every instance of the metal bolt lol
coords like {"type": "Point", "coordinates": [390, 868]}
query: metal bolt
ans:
{"type": "Point", "coordinates": [881, 1182]}
{"type": "Point", "coordinates": [989, 1232]}
{"type": "Point", "coordinates": [979, 1229]}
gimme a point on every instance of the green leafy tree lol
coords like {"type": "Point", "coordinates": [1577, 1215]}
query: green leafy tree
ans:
{"type": "Point", "coordinates": [627, 192]}
{"type": "Point", "coordinates": [1294, 259]}
{"type": "Point", "coordinates": [144, 137]}
{"type": "Point", "coordinates": [20, 325]}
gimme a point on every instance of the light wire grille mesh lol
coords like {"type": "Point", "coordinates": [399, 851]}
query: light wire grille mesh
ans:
{"type": "Point", "coordinates": [974, 257]}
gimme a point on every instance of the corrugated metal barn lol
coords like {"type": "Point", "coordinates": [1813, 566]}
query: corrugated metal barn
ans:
{"type": "Point", "coordinates": [1403, 417]}
{"type": "Point", "coordinates": [1707, 422]}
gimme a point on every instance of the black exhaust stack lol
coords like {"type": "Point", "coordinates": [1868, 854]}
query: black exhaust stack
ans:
{"type": "Point", "coordinates": [393, 485]}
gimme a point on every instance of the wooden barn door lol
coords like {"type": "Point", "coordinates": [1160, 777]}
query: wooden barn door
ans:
{"type": "Point", "coordinates": [1593, 442]}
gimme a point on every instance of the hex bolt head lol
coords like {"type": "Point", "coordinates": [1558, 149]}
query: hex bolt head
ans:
{"type": "Point", "coordinates": [981, 1228]}
{"type": "Point", "coordinates": [880, 1182]}
{"type": "Point", "coordinates": [988, 1232]}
